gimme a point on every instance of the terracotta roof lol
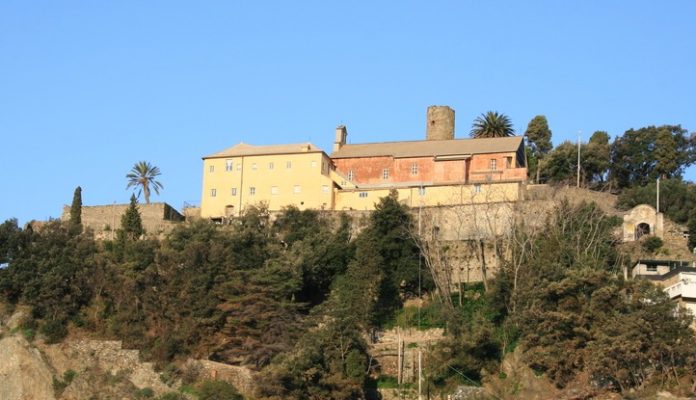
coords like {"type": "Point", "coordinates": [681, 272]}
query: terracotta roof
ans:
{"type": "Point", "coordinates": [243, 149]}
{"type": "Point", "coordinates": [426, 148]}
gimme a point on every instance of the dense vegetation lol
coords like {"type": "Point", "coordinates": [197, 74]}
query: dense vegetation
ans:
{"type": "Point", "coordinates": [297, 296]}
{"type": "Point", "coordinates": [293, 299]}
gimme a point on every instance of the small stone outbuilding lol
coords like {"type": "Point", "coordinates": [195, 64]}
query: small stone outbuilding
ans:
{"type": "Point", "coordinates": [642, 220]}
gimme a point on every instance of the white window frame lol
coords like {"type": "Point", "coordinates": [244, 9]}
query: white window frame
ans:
{"type": "Point", "coordinates": [253, 166]}
{"type": "Point", "coordinates": [297, 189]}
{"type": "Point", "coordinates": [385, 173]}
{"type": "Point", "coordinates": [314, 164]}
{"type": "Point", "coordinates": [211, 168]}
{"type": "Point", "coordinates": [362, 194]}
{"type": "Point", "coordinates": [351, 175]}
{"type": "Point", "coordinates": [421, 190]}
{"type": "Point", "coordinates": [288, 164]}
{"type": "Point", "coordinates": [252, 191]}
{"type": "Point", "coordinates": [271, 165]}
{"type": "Point", "coordinates": [274, 190]}
{"type": "Point", "coordinates": [477, 188]}
{"type": "Point", "coordinates": [494, 164]}
{"type": "Point", "coordinates": [325, 188]}
{"type": "Point", "coordinates": [229, 165]}
{"type": "Point", "coordinates": [213, 192]}
{"type": "Point", "coordinates": [233, 192]}
{"type": "Point", "coordinates": [414, 169]}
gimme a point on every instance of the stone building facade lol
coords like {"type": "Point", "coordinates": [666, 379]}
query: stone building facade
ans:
{"type": "Point", "coordinates": [439, 170]}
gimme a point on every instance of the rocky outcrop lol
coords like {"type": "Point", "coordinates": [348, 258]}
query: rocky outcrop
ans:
{"type": "Point", "coordinates": [24, 373]}
{"type": "Point", "coordinates": [91, 369]}
{"type": "Point", "coordinates": [103, 357]}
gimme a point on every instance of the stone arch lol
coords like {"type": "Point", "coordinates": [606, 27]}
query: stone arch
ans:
{"type": "Point", "coordinates": [642, 229]}
{"type": "Point", "coordinates": [642, 220]}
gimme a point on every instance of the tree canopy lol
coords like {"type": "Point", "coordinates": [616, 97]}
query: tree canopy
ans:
{"type": "Point", "coordinates": [143, 176]}
{"type": "Point", "coordinates": [492, 124]}
{"type": "Point", "coordinates": [641, 156]}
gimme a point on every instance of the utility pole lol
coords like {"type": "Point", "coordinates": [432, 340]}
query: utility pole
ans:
{"type": "Point", "coordinates": [658, 195]}
{"type": "Point", "coordinates": [579, 133]}
{"type": "Point", "coordinates": [420, 300]}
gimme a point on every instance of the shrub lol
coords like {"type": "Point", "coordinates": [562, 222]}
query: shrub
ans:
{"type": "Point", "coordinates": [69, 375]}
{"type": "Point", "coordinates": [218, 390]}
{"type": "Point", "coordinates": [652, 243]}
{"type": "Point", "coordinates": [54, 331]}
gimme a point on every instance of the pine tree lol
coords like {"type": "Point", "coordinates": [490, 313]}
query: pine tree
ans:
{"type": "Point", "coordinates": [76, 211]}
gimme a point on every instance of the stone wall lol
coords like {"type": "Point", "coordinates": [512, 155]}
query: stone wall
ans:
{"type": "Point", "coordinates": [385, 350]}
{"type": "Point", "coordinates": [242, 378]}
{"type": "Point", "coordinates": [158, 218]}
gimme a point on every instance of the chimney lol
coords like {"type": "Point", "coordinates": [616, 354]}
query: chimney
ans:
{"type": "Point", "coordinates": [340, 140]}
{"type": "Point", "coordinates": [439, 123]}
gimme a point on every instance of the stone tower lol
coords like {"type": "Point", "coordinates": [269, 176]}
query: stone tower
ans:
{"type": "Point", "coordinates": [439, 123]}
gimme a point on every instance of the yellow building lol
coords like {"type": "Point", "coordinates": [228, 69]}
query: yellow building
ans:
{"type": "Point", "coordinates": [277, 175]}
{"type": "Point", "coordinates": [440, 170]}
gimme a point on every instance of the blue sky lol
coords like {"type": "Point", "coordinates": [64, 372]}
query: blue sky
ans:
{"type": "Point", "coordinates": [88, 88]}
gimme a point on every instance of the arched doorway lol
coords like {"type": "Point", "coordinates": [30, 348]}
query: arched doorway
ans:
{"type": "Point", "coordinates": [229, 211]}
{"type": "Point", "coordinates": [642, 229]}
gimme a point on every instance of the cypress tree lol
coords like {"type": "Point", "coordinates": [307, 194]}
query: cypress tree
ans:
{"type": "Point", "coordinates": [131, 223]}
{"type": "Point", "coordinates": [76, 211]}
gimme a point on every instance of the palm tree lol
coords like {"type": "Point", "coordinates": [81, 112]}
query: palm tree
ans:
{"type": "Point", "coordinates": [143, 174]}
{"type": "Point", "coordinates": [492, 124]}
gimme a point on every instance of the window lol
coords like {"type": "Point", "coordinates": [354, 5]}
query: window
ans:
{"type": "Point", "coordinates": [385, 173]}
{"type": "Point", "coordinates": [270, 165]}
{"type": "Point", "coordinates": [494, 164]}
{"type": "Point", "coordinates": [297, 189]}
{"type": "Point", "coordinates": [288, 165]}
{"type": "Point", "coordinates": [252, 191]}
{"type": "Point", "coordinates": [350, 175]}
{"type": "Point", "coordinates": [325, 188]}
{"type": "Point", "coordinates": [211, 168]}
{"type": "Point", "coordinates": [477, 188]}
{"type": "Point", "coordinates": [213, 192]}
{"type": "Point", "coordinates": [414, 169]}
{"type": "Point", "coordinates": [253, 166]}
{"type": "Point", "coordinates": [274, 190]}
{"type": "Point", "coordinates": [234, 191]}
{"type": "Point", "coordinates": [239, 167]}
{"type": "Point", "coordinates": [508, 162]}
{"type": "Point", "coordinates": [363, 194]}
{"type": "Point", "coordinates": [421, 191]}
{"type": "Point", "coordinates": [314, 164]}
{"type": "Point", "coordinates": [228, 165]}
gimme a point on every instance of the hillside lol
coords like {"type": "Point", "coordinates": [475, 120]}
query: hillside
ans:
{"type": "Point", "coordinates": [313, 308]}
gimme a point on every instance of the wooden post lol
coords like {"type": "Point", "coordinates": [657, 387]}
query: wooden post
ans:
{"type": "Point", "coordinates": [420, 374]}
